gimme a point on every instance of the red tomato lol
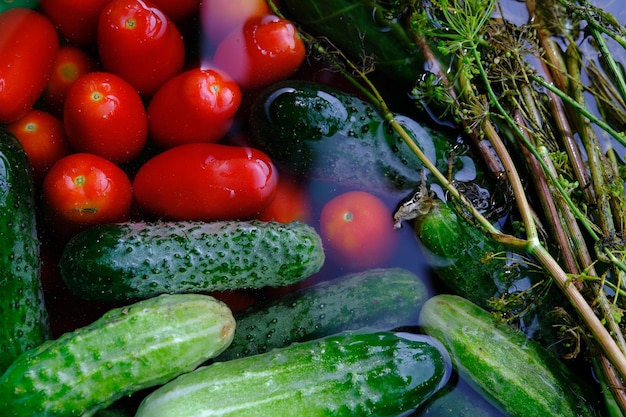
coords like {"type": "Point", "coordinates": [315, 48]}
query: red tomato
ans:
{"type": "Point", "coordinates": [290, 203]}
{"type": "Point", "coordinates": [178, 10]}
{"type": "Point", "coordinates": [357, 228]}
{"type": "Point", "coordinates": [43, 138]}
{"type": "Point", "coordinates": [206, 181]}
{"type": "Point", "coordinates": [138, 42]}
{"type": "Point", "coordinates": [70, 64]}
{"type": "Point", "coordinates": [104, 115]}
{"type": "Point", "coordinates": [198, 105]}
{"type": "Point", "coordinates": [28, 47]}
{"type": "Point", "coordinates": [82, 190]}
{"type": "Point", "coordinates": [220, 17]}
{"type": "Point", "coordinates": [264, 50]}
{"type": "Point", "coordinates": [76, 20]}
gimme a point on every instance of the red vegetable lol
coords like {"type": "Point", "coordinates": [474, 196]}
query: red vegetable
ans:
{"type": "Point", "coordinates": [206, 181]}
{"type": "Point", "coordinates": [220, 17]}
{"type": "Point", "coordinates": [76, 20]}
{"type": "Point", "coordinates": [28, 47]}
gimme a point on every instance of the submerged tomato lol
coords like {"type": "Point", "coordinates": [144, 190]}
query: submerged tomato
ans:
{"type": "Point", "coordinates": [198, 105]}
{"type": "Point", "coordinates": [206, 181]}
{"type": "Point", "coordinates": [264, 50]}
{"type": "Point", "coordinates": [138, 42]}
{"type": "Point", "coordinates": [220, 17]}
{"type": "Point", "coordinates": [28, 47]}
{"type": "Point", "coordinates": [104, 115]}
{"type": "Point", "coordinates": [357, 228]}
{"type": "Point", "coordinates": [291, 202]}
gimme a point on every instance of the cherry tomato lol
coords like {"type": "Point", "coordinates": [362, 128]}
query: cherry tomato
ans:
{"type": "Point", "coordinates": [178, 10]}
{"type": "Point", "coordinates": [264, 50]}
{"type": "Point", "coordinates": [290, 203]}
{"type": "Point", "coordinates": [43, 138]}
{"type": "Point", "coordinates": [198, 105]}
{"type": "Point", "coordinates": [82, 190]}
{"type": "Point", "coordinates": [104, 115]}
{"type": "Point", "coordinates": [138, 42]}
{"type": "Point", "coordinates": [220, 17]}
{"type": "Point", "coordinates": [76, 20]}
{"type": "Point", "coordinates": [206, 181]}
{"type": "Point", "coordinates": [70, 64]}
{"type": "Point", "coordinates": [357, 228]}
{"type": "Point", "coordinates": [28, 47]}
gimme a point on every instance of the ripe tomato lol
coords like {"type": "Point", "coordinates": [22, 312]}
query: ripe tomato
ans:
{"type": "Point", "coordinates": [198, 105]}
{"type": "Point", "coordinates": [43, 138]}
{"type": "Point", "coordinates": [264, 50]}
{"type": "Point", "coordinates": [178, 10]}
{"type": "Point", "coordinates": [138, 42]}
{"type": "Point", "coordinates": [220, 17]}
{"type": "Point", "coordinates": [70, 64]}
{"type": "Point", "coordinates": [28, 47]}
{"type": "Point", "coordinates": [290, 203]}
{"type": "Point", "coordinates": [357, 228]}
{"type": "Point", "coordinates": [82, 190]}
{"type": "Point", "coordinates": [206, 181]}
{"type": "Point", "coordinates": [76, 20]}
{"type": "Point", "coordinates": [104, 115]}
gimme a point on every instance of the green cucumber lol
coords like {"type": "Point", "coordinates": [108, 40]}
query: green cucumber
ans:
{"type": "Point", "coordinates": [128, 349]}
{"type": "Point", "coordinates": [366, 374]}
{"type": "Point", "coordinates": [24, 319]}
{"type": "Point", "coordinates": [316, 131]}
{"type": "Point", "coordinates": [117, 262]}
{"type": "Point", "coordinates": [376, 299]}
{"type": "Point", "coordinates": [517, 374]}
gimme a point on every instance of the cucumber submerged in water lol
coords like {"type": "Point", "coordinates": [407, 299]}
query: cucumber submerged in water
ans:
{"type": "Point", "coordinates": [123, 261]}
{"type": "Point", "coordinates": [23, 316]}
{"type": "Point", "coordinates": [376, 299]}
{"type": "Point", "coordinates": [349, 374]}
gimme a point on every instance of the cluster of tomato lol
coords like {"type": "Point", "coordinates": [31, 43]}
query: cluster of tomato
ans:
{"type": "Point", "coordinates": [122, 107]}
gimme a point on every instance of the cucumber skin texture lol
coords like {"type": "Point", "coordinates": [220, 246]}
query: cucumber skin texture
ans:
{"type": "Point", "coordinates": [348, 374]}
{"type": "Point", "coordinates": [124, 261]}
{"type": "Point", "coordinates": [312, 130]}
{"type": "Point", "coordinates": [520, 376]}
{"type": "Point", "coordinates": [24, 319]}
{"type": "Point", "coordinates": [376, 299]}
{"type": "Point", "coordinates": [128, 349]}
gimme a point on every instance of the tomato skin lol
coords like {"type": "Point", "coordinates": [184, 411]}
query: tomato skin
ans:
{"type": "Point", "coordinates": [357, 228]}
{"type": "Point", "coordinates": [76, 20]}
{"type": "Point", "coordinates": [43, 137]}
{"type": "Point", "coordinates": [220, 17]}
{"type": "Point", "coordinates": [264, 50]}
{"type": "Point", "coordinates": [82, 190]}
{"type": "Point", "coordinates": [138, 42]}
{"type": "Point", "coordinates": [198, 105]}
{"type": "Point", "coordinates": [291, 202]}
{"type": "Point", "coordinates": [206, 181]}
{"type": "Point", "coordinates": [28, 47]}
{"type": "Point", "coordinates": [104, 115]}
{"type": "Point", "coordinates": [178, 10]}
{"type": "Point", "coordinates": [70, 64]}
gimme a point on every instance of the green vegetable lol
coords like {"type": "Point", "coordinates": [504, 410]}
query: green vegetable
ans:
{"type": "Point", "coordinates": [367, 374]}
{"type": "Point", "coordinates": [11, 4]}
{"type": "Point", "coordinates": [24, 320]}
{"type": "Point", "coordinates": [324, 134]}
{"type": "Point", "coordinates": [515, 373]}
{"type": "Point", "coordinates": [377, 299]}
{"type": "Point", "coordinates": [126, 350]}
{"type": "Point", "coordinates": [140, 260]}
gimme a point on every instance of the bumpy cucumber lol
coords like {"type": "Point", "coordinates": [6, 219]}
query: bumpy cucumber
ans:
{"type": "Point", "coordinates": [367, 374]}
{"type": "Point", "coordinates": [126, 350]}
{"type": "Point", "coordinates": [139, 260]}
{"type": "Point", "coordinates": [377, 299]}
{"type": "Point", "coordinates": [314, 130]}
{"type": "Point", "coordinates": [517, 374]}
{"type": "Point", "coordinates": [23, 317]}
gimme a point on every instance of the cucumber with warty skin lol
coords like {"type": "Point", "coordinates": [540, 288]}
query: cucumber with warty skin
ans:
{"type": "Point", "coordinates": [517, 374]}
{"type": "Point", "coordinates": [348, 374]}
{"type": "Point", "coordinates": [23, 316]}
{"type": "Point", "coordinates": [376, 299]}
{"type": "Point", "coordinates": [313, 130]}
{"type": "Point", "coordinates": [128, 349]}
{"type": "Point", "coordinates": [117, 262]}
